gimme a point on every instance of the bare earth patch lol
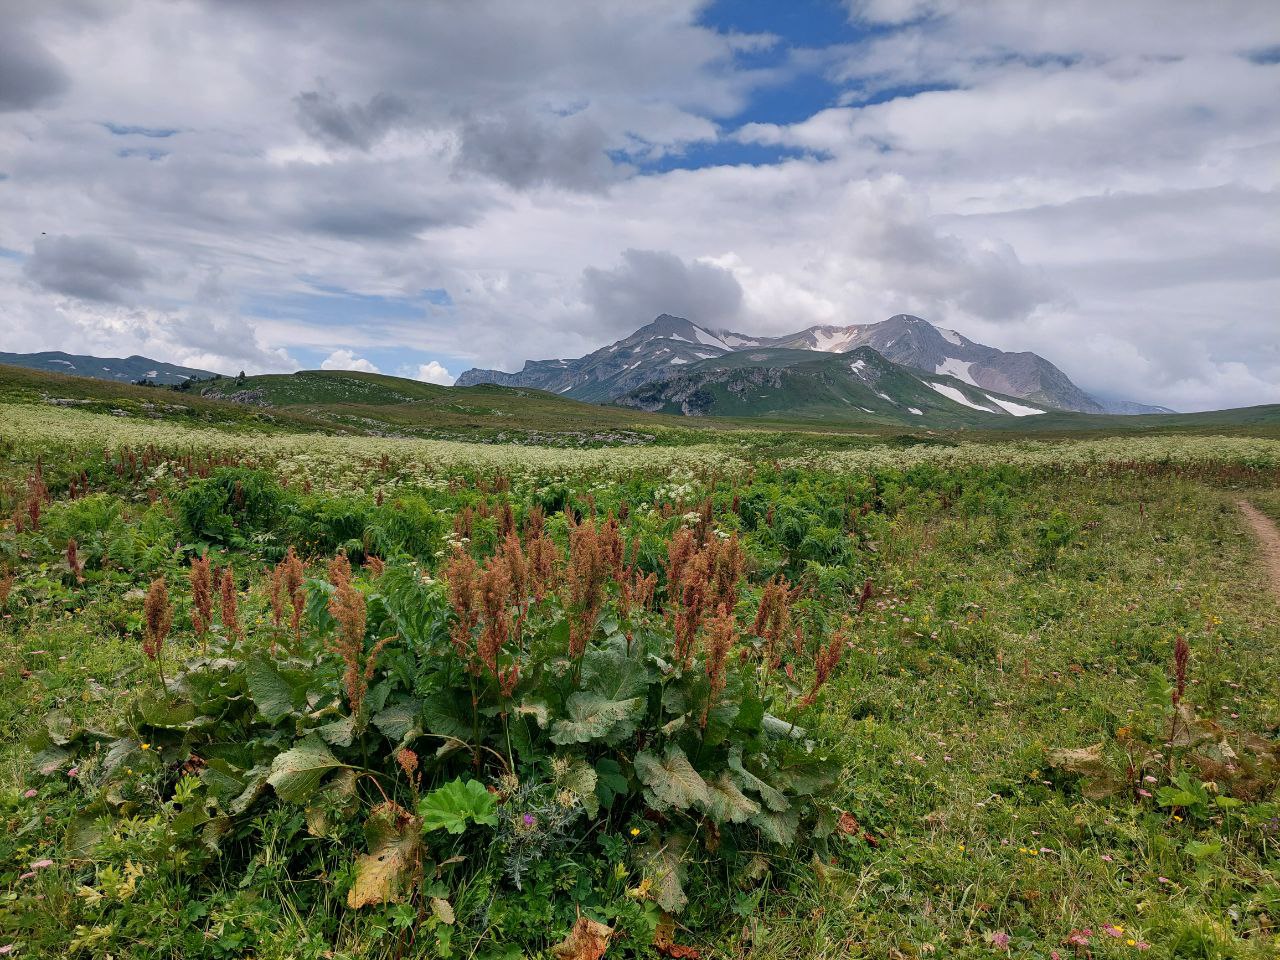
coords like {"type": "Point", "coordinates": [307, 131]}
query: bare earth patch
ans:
{"type": "Point", "coordinates": [1268, 542]}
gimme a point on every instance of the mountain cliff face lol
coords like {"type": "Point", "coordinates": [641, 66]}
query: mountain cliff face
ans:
{"type": "Point", "coordinates": [859, 384]}
{"type": "Point", "coordinates": [651, 353]}
{"type": "Point", "coordinates": [662, 349]}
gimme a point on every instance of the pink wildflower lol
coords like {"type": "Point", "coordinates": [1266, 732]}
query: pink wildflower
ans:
{"type": "Point", "coordinates": [31, 793]}
{"type": "Point", "coordinates": [1107, 857]}
{"type": "Point", "coordinates": [1144, 793]}
{"type": "Point", "coordinates": [41, 864]}
{"type": "Point", "coordinates": [1113, 931]}
{"type": "Point", "coordinates": [27, 876]}
{"type": "Point", "coordinates": [1000, 940]}
{"type": "Point", "coordinates": [1164, 879]}
{"type": "Point", "coordinates": [73, 772]}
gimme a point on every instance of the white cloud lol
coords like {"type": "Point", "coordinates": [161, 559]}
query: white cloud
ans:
{"type": "Point", "coordinates": [346, 360]}
{"type": "Point", "coordinates": [434, 372]}
{"type": "Point", "coordinates": [1101, 185]}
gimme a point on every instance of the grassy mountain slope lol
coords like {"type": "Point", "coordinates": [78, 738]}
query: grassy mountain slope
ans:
{"type": "Point", "coordinates": [117, 369]}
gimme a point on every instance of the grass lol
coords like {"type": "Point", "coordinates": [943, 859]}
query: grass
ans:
{"type": "Point", "coordinates": [1021, 616]}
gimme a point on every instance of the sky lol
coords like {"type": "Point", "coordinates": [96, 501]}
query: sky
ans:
{"type": "Point", "coordinates": [421, 187]}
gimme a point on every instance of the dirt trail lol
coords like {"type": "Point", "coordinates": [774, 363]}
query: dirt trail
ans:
{"type": "Point", "coordinates": [1268, 543]}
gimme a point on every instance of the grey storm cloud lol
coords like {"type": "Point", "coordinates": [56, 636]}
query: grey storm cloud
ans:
{"type": "Point", "coordinates": [650, 282]}
{"type": "Point", "coordinates": [525, 151]}
{"type": "Point", "coordinates": [29, 75]}
{"type": "Point", "coordinates": [323, 116]}
{"type": "Point", "coordinates": [91, 268]}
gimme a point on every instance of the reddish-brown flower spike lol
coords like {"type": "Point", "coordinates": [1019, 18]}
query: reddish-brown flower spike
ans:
{"type": "Point", "coordinates": [200, 577]}
{"type": "Point", "coordinates": [292, 575]}
{"type": "Point", "coordinates": [865, 595]}
{"type": "Point", "coordinates": [773, 619]}
{"type": "Point", "coordinates": [157, 618]}
{"type": "Point", "coordinates": [6, 586]}
{"type": "Point", "coordinates": [73, 561]}
{"type": "Point", "coordinates": [462, 575]}
{"type": "Point", "coordinates": [721, 635]}
{"type": "Point", "coordinates": [584, 584]}
{"type": "Point", "coordinates": [495, 603]}
{"type": "Point", "coordinates": [347, 606]}
{"type": "Point", "coordinates": [824, 666]}
{"type": "Point", "coordinates": [1181, 657]}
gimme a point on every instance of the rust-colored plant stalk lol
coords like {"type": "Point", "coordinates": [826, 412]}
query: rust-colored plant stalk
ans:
{"type": "Point", "coordinates": [462, 575]}
{"type": "Point", "coordinates": [200, 577]}
{"type": "Point", "coordinates": [584, 584]}
{"type": "Point", "coordinates": [773, 619]}
{"type": "Point", "coordinates": [6, 586]}
{"type": "Point", "coordinates": [719, 640]}
{"type": "Point", "coordinates": [74, 563]}
{"type": "Point", "coordinates": [824, 666]}
{"type": "Point", "coordinates": [347, 605]}
{"type": "Point", "coordinates": [1181, 657]}
{"type": "Point", "coordinates": [230, 608]}
{"type": "Point", "coordinates": [865, 595]}
{"type": "Point", "coordinates": [292, 575]}
{"type": "Point", "coordinates": [156, 621]}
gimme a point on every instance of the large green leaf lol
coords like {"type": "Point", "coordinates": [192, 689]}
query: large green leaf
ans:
{"type": "Point", "coordinates": [444, 716]}
{"type": "Point", "coordinates": [662, 864]}
{"type": "Point", "coordinates": [268, 689]}
{"type": "Point", "coordinates": [457, 804]}
{"type": "Point", "coordinates": [614, 675]}
{"type": "Point", "coordinates": [396, 721]}
{"type": "Point", "coordinates": [387, 872]}
{"type": "Point", "coordinates": [780, 827]}
{"type": "Point", "coordinates": [670, 782]}
{"type": "Point", "coordinates": [296, 773]}
{"type": "Point", "coordinates": [592, 718]}
{"type": "Point", "coordinates": [773, 799]}
{"type": "Point", "coordinates": [727, 802]}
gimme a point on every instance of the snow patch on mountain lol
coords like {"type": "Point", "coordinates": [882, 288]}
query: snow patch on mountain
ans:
{"type": "Point", "coordinates": [956, 368]}
{"type": "Point", "coordinates": [1017, 409]}
{"type": "Point", "coordinates": [951, 393]}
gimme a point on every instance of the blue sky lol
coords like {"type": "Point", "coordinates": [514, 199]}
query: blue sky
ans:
{"type": "Point", "coordinates": [421, 188]}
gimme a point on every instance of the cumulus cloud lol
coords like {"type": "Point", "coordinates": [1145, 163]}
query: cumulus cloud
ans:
{"type": "Point", "coordinates": [650, 282]}
{"type": "Point", "coordinates": [355, 125]}
{"type": "Point", "coordinates": [92, 268]}
{"type": "Point", "coordinates": [526, 151]}
{"type": "Point", "coordinates": [29, 75]}
{"type": "Point", "coordinates": [1101, 188]}
{"type": "Point", "coordinates": [434, 372]}
{"type": "Point", "coordinates": [344, 359]}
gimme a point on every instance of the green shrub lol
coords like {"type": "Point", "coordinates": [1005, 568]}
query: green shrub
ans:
{"type": "Point", "coordinates": [230, 506]}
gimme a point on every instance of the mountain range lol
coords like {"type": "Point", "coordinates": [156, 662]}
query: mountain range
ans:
{"type": "Point", "coordinates": [676, 352]}
{"type": "Point", "coordinates": [120, 369]}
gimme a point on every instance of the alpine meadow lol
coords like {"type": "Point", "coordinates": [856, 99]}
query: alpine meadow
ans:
{"type": "Point", "coordinates": [661, 480]}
